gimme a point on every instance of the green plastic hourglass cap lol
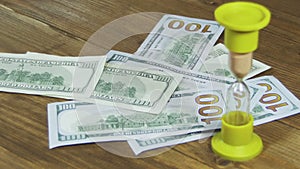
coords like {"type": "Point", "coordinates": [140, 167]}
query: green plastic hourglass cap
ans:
{"type": "Point", "coordinates": [242, 21]}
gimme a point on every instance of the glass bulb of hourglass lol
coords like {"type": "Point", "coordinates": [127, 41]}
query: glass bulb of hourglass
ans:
{"type": "Point", "coordinates": [238, 104]}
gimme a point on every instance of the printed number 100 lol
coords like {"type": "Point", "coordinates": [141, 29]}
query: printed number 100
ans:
{"type": "Point", "coordinates": [190, 27]}
{"type": "Point", "coordinates": [210, 109]}
{"type": "Point", "coordinates": [271, 99]}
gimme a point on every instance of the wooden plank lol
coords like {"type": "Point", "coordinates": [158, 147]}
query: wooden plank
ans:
{"type": "Point", "coordinates": [20, 34]}
{"type": "Point", "coordinates": [9, 160]}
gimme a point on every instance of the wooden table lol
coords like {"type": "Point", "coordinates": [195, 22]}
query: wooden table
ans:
{"type": "Point", "coordinates": [63, 27]}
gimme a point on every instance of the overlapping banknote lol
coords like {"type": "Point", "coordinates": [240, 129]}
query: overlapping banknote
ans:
{"type": "Point", "coordinates": [135, 67]}
{"type": "Point", "coordinates": [134, 84]}
{"type": "Point", "coordinates": [140, 87]}
{"type": "Point", "coordinates": [181, 41]}
{"type": "Point", "coordinates": [185, 112]}
{"type": "Point", "coordinates": [42, 74]}
{"type": "Point", "coordinates": [276, 102]}
{"type": "Point", "coordinates": [191, 79]}
{"type": "Point", "coordinates": [203, 78]}
{"type": "Point", "coordinates": [188, 116]}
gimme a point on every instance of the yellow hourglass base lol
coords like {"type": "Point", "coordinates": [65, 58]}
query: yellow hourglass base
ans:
{"type": "Point", "coordinates": [237, 153]}
{"type": "Point", "coordinates": [237, 143]}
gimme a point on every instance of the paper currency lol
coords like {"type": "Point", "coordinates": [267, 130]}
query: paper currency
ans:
{"type": "Point", "coordinates": [217, 63]}
{"type": "Point", "coordinates": [181, 41]}
{"type": "Point", "coordinates": [139, 146]}
{"type": "Point", "coordinates": [191, 80]}
{"type": "Point", "coordinates": [65, 127]}
{"type": "Point", "coordinates": [276, 102]}
{"type": "Point", "coordinates": [134, 84]}
{"type": "Point", "coordinates": [205, 105]}
{"type": "Point", "coordinates": [41, 74]}
{"type": "Point", "coordinates": [78, 122]}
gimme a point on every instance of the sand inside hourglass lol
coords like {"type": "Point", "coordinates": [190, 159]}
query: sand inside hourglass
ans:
{"type": "Point", "coordinates": [236, 118]}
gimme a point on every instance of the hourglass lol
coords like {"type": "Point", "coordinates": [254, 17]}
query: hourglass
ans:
{"type": "Point", "coordinates": [242, 21]}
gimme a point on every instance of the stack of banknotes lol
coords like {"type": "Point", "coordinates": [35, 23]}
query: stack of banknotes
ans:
{"type": "Point", "coordinates": [172, 90]}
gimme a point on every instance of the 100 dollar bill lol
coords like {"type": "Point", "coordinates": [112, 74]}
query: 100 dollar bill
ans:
{"type": "Point", "coordinates": [41, 74]}
{"type": "Point", "coordinates": [78, 122]}
{"type": "Point", "coordinates": [181, 41]}
{"type": "Point", "coordinates": [275, 102]}
{"type": "Point", "coordinates": [191, 80]}
{"type": "Point", "coordinates": [134, 84]}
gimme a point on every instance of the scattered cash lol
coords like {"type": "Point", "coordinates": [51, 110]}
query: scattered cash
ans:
{"type": "Point", "coordinates": [188, 115]}
{"type": "Point", "coordinates": [78, 122]}
{"type": "Point", "coordinates": [276, 102]}
{"type": "Point", "coordinates": [185, 118]}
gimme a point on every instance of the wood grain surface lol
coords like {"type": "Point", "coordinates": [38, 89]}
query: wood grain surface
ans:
{"type": "Point", "coordinates": [65, 27]}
